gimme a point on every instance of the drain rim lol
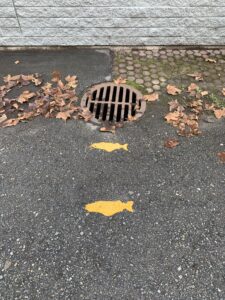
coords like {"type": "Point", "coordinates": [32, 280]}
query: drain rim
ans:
{"type": "Point", "coordinates": [97, 86]}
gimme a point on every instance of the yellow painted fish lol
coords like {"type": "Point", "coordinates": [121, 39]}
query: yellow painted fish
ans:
{"type": "Point", "coordinates": [109, 147]}
{"type": "Point", "coordinates": [109, 208]}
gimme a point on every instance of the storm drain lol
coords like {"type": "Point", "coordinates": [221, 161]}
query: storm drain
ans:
{"type": "Point", "coordinates": [112, 102]}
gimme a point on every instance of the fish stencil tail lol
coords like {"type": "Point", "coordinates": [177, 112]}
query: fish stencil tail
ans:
{"type": "Point", "coordinates": [125, 147]}
{"type": "Point", "coordinates": [129, 206]}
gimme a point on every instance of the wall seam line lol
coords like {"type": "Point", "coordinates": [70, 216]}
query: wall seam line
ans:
{"type": "Point", "coordinates": [17, 17]}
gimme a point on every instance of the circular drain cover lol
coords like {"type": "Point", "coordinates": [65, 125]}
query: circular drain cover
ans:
{"type": "Point", "coordinates": [112, 102]}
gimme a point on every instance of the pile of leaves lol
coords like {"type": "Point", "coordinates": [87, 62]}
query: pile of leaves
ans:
{"type": "Point", "coordinates": [186, 117]}
{"type": "Point", "coordinates": [55, 99]}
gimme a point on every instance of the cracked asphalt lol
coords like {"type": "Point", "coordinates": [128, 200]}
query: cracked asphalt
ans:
{"type": "Point", "coordinates": [171, 247]}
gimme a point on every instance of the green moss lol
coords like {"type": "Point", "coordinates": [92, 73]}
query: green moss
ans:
{"type": "Point", "coordinates": [137, 86]}
{"type": "Point", "coordinates": [220, 103]}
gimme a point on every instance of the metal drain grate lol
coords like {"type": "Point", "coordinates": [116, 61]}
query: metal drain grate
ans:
{"type": "Point", "coordinates": [112, 102]}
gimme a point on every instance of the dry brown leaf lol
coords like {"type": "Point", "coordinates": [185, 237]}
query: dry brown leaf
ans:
{"type": "Point", "coordinates": [219, 113]}
{"type": "Point", "coordinates": [25, 96]}
{"type": "Point", "coordinates": [26, 115]}
{"type": "Point", "coordinates": [171, 143]}
{"type": "Point", "coordinates": [175, 105]}
{"type": "Point", "coordinates": [173, 116]}
{"type": "Point", "coordinates": [196, 103]}
{"type": "Point", "coordinates": [221, 156]}
{"type": "Point", "coordinates": [211, 60]}
{"type": "Point", "coordinates": [120, 80]}
{"type": "Point", "coordinates": [61, 84]}
{"type": "Point", "coordinates": [9, 78]}
{"type": "Point", "coordinates": [15, 105]}
{"type": "Point", "coordinates": [56, 76]}
{"type": "Point", "coordinates": [131, 118]}
{"type": "Point", "coordinates": [85, 114]}
{"type": "Point", "coordinates": [3, 118]}
{"type": "Point", "coordinates": [198, 76]}
{"type": "Point", "coordinates": [192, 87]}
{"type": "Point", "coordinates": [108, 128]}
{"type": "Point", "coordinates": [151, 97]}
{"type": "Point", "coordinates": [71, 81]}
{"type": "Point", "coordinates": [29, 77]}
{"type": "Point", "coordinates": [210, 107]}
{"type": "Point", "coordinates": [204, 93]}
{"type": "Point", "coordinates": [37, 81]}
{"type": "Point", "coordinates": [10, 122]}
{"type": "Point", "coordinates": [172, 90]}
{"type": "Point", "coordinates": [64, 115]}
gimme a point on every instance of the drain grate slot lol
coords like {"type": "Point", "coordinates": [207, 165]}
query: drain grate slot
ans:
{"type": "Point", "coordinates": [111, 102]}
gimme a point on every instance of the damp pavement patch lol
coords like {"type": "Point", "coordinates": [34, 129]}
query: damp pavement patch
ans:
{"type": "Point", "coordinates": [91, 66]}
{"type": "Point", "coordinates": [170, 247]}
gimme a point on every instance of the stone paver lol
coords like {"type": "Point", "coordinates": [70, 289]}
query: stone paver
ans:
{"type": "Point", "coordinates": [154, 68]}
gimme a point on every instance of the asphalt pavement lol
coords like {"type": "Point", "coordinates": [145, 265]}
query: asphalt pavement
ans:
{"type": "Point", "coordinates": [171, 247]}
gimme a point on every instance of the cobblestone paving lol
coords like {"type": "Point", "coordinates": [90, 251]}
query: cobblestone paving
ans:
{"type": "Point", "coordinates": [154, 69]}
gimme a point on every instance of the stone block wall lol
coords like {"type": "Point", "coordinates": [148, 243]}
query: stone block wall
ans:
{"type": "Point", "coordinates": [112, 22]}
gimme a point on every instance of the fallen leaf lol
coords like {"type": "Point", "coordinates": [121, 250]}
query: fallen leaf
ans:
{"type": "Point", "coordinates": [204, 93]}
{"type": "Point", "coordinates": [15, 105]}
{"type": "Point", "coordinates": [151, 97]}
{"type": "Point", "coordinates": [71, 81]}
{"type": "Point", "coordinates": [56, 76]}
{"type": "Point", "coordinates": [221, 156]}
{"type": "Point", "coordinates": [37, 81]}
{"type": "Point", "coordinates": [173, 116]}
{"type": "Point", "coordinates": [9, 78]}
{"type": "Point", "coordinates": [171, 143]}
{"type": "Point", "coordinates": [17, 62]}
{"type": "Point", "coordinates": [197, 76]}
{"type": "Point", "coordinates": [29, 77]}
{"type": "Point", "coordinates": [210, 107]}
{"type": "Point", "coordinates": [26, 115]}
{"type": "Point", "coordinates": [64, 115]}
{"type": "Point", "coordinates": [196, 103]}
{"type": "Point", "coordinates": [175, 105]}
{"type": "Point", "coordinates": [219, 113]}
{"type": "Point", "coordinates": [3, 118]}
{"type": "Point", "coordinates": [10, 122]}
{"type": "Point", "coordinates": [108, 128]}
{"type": "Point", "coordinates": [25, 96]}
{"type": "Point", "coordinates": [211, 60]}
{"type": "Point", "coordinates": [131, 118]}
{"type": "Point", "coordinates": [120, 80]}
{"type": "Point", "coordinates": [192, 87]}
{"type": "Point", "coordinates": [85, 114]}
{"type": "Point", "coordinates": [172, 90]}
